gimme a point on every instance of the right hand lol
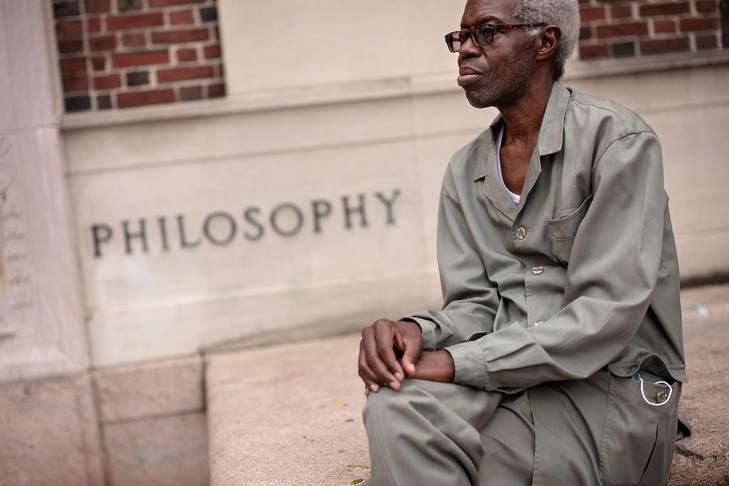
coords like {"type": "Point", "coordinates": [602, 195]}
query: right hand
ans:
{"type": "Point", "coordinates": [388, 353]}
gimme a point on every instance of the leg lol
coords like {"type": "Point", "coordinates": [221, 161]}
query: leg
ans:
{"type": "Point", "coordinates": [508, 440]}
{"type": "Point", "coordinates": [427, 433]}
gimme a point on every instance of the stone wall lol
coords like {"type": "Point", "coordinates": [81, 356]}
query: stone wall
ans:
{"type": "Point", "coordinates": [301, 203]}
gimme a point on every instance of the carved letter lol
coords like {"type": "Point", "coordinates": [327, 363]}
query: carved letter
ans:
{"type": "Point", "coordinates": [359, 209]}
{"type": "Point", "coordinates": [101, 233]}
{"type": "Point", "coordinates": [231, 222]}
{"type": "Point", "coordinates": [248, 217]}
{"type": "Point", "coordinates": [388, 204]}
{"type": "Point", "coordinates": [299, 219]}
{"type": "Point", "coordinates": [163, 232]}
{"type": "Point", "coordinates": [181, 227]}
{"type": "Point", "coordinates": [128, 236]}
{"type": "Point", "coordinates": [320, 214]}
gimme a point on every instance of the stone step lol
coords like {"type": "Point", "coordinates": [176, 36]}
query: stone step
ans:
{"type": "Point", "coordinates": [290, 414]}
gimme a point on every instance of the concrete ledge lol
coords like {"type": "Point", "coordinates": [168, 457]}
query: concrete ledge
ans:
{"type": "Point", "coordinates": [290, 414]}
{"type": "Point", "coordinates": [286, 415]}
{"type": "Point", "coordinates": [703, 458]}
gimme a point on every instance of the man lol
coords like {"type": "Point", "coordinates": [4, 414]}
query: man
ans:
{"type": "Point", "coordinates": [557, 357]}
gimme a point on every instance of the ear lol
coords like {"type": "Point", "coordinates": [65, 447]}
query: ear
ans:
{"type": "Point", "coordinates": [547, 42]}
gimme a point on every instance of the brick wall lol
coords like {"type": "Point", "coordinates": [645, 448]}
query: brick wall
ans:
{"type": "Point", "coordinates": [127, 53]}
{"type": "Point", "coordinates": [618, 29]}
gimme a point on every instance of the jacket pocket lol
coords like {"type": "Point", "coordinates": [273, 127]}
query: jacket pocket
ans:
{"type": "Point", "coordinates": [562, 231]}
{"type": "Point", "coordinates": [639, 438]}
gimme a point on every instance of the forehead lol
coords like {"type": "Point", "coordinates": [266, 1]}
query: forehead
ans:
{"type": "Point", "coordinates": [488, 11]}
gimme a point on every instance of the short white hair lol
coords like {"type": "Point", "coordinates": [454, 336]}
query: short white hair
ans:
{"type": "Point", "coordinates": [565, 14]}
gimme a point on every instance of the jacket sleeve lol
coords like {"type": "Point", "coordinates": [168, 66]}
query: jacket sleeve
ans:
{"type": "Point", "coordinates": [612, 272]}
{"type": "Point", "coordinates": [470, 299]}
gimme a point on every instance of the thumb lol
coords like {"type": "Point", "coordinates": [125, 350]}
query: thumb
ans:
{"type": "Point", "coordinates": [410, 354]}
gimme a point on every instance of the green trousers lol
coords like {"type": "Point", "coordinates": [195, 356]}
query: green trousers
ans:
{"type": "Point", "coordinates": [589, 432]}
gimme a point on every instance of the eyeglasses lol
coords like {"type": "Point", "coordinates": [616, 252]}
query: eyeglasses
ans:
{"type": "Point", "coordinates": [482, 35]}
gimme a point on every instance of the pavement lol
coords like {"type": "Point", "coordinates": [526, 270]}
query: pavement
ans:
{"type": "Point", "coordinates": [290, 414]}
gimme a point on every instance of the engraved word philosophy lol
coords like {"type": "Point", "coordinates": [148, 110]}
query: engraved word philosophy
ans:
{"type": "Point", "coordinates": [253, 223]}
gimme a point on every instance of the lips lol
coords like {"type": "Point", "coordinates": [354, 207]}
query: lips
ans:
{"type": "Point", "coordinates": [467, 76]}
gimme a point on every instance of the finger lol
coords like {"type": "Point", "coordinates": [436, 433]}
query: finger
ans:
{"type": "Point", "coordinates": [366, 374]}
{"type": "Point", "coordinates": [411, 344]}
{"type": "Point", "coordinates": [386, 336]}
{"type": "Point", "coordinates": [377, 342]}
{"type": "Point", "coordinates": [372, 371]}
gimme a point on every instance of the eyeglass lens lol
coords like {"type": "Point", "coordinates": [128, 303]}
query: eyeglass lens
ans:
{"type": "Point", "coordinates": [482, 36]}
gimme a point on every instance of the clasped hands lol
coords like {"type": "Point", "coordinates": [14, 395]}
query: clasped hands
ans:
{"type": "Point", "coordinates": [390, 352]}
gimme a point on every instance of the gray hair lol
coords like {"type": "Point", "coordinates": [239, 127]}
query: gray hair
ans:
{"type": "Point", "coordinates": [565, 14]}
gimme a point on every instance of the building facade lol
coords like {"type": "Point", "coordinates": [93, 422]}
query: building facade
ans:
{"type": "Point", "coordinates": [179, 177]}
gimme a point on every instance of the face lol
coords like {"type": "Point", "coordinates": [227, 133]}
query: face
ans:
{"type": "Point", "coordinates": [497, 74]}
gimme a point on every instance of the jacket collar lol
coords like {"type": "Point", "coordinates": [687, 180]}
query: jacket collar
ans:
{"type": "Point", "coordinates": [551, 134]}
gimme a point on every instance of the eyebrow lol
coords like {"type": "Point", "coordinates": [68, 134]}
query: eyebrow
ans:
{"type": "Point", "coordinates": [485, 20]}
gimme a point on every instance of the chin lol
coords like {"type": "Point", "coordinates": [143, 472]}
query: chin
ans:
{"type": "Point", "coordinates": [478, 101]}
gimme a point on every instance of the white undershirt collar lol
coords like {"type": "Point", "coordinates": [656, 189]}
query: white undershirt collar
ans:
{"type": "Point", "coordinates": [499, 138]}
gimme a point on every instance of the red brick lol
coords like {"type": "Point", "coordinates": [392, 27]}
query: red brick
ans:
{"type": "Point", "coordinates": [622, 30]}
{"type": "Point", "coordinates": [184, 73]}
{"type": "Point", "coordinates": [144, 98]}
{"type": "Point", "coordinates": [673, 8]}
{"type": "Point", "coordinates": [621, 11]}
{"type": "Point", "coordinates": [657, 46]}
{"type": "Point", "coordinates": [216, 91]}
{"type": "Point", "coordinates": [219, 71]}
{"type": "Point", "coordinates": [706, 42]}
{"type": "Point", "coordinates": [98, 63]}
{"type": "Point", "coordinates": [112, 81]}
{"type": "Point", "coordinates": [141, 58]}
{"type": "Point", "coordinates": [93, 25]}
{"type": "Point", "coordinates": [167, 3]}
{"type": "Point", "coordinates": [664, 26]}
{"type": "Point", "coordinates": [594, 51]}
{"type": "Point", "coordinates": [97, 6]}
{"type": "Point", "coordinates": [182, 17]}
{"type": "Point", "coordinates": [103, 102]}
{"type": "Point", "coordinates": [212, 52]}
{"type": "Point", "coordinates": [134, 40]}
{"type": "Point", "coordinates": [179, 36]}
{"type": "Point", "coordinates": [133, 21]}
{"type": "Point", "coordinates": [69, 28]}
{"type": "Point", "coordinates": [694, 25]}
{"type": "Point", "coordinates": [590, 14]}
{"type": "Point", "coordinates": [73, 65]}
{"type": "Point", "coordinates": [706, 6]}
{"type": "Point", "coordinates": [104, 43]}
{"type": "Point", "coordinates": [584, 2]}
{"type": "Point", "coordinates": [187, 55]}
{"type": "Point", "coordinates": [75, 83]}
{"type": "Point", "coordinates": [191, 93]}
{"type": "Point", "coordinates": [67, 46]}
{"type": "Point", "coordinates": [725, 40]}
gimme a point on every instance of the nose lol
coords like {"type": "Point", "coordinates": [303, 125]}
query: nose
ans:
{"type": "Point", "coordinates": [468, 48]}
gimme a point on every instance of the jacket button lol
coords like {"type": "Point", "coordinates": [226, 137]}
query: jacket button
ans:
{"type": "Point", "coordinates": [661, 397]}
{"type": "Point", "coordinates": [538, 323]}
{"type": "Point", "coordinates": [521, 233]}
{"type": "Point", "coordinates": [538, 270]}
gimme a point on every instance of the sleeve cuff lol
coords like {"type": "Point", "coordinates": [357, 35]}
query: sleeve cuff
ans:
{"type": "Point", "coordinates": [469, 362]}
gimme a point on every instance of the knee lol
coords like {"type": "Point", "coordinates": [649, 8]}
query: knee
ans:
{"type": "Point", "coordinates": [388, 406]}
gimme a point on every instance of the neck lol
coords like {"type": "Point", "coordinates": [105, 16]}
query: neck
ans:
{"type": "Point", "coordinates": [523, 119]}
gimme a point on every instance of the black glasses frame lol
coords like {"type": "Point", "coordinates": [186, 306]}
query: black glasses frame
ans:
{"type": "Point", "coordinates": [482, 35]}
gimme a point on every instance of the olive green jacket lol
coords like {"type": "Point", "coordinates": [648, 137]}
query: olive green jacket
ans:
{"type": "Point", "coordinates": [580, 276]}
